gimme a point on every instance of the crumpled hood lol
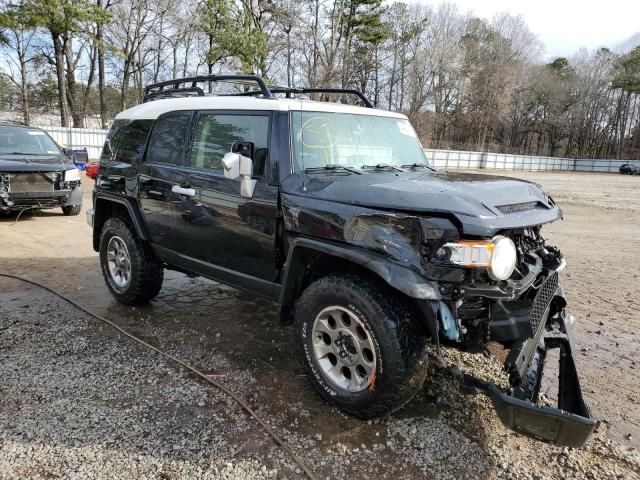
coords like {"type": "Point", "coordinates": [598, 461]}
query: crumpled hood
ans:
{"type": "Point", "coordinates": [34, 163]}
{"type": "Point", "coordinates": [472, 198]}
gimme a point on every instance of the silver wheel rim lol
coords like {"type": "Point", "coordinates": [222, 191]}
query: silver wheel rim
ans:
{"type": "Point", "coordinates": [343, 349]}
{"type": "Point", "coordinates": [118, 262]}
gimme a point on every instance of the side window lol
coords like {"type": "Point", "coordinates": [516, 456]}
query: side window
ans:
{"type": "Point", "coordinates": [216, 133]}
{"type": "Point", "coordinates": [131, 141]}
{"type": "Point", "coordinates": [167, 138]}
{"type": "Point", "coordinates": [113, 139]}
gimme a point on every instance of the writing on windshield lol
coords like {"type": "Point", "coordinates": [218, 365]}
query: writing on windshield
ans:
{"type": "Point", "coordinates": [352, 140]}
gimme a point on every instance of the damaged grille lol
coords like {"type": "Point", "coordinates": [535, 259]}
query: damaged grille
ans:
{"type": "Point", "coordinates": [526, 241]}
{"type": "Point", "coordinates": [542, 300]}
{"type": "Point", "coordinates": [32, 182]}
{"type": "Point", "coordinates": [517, 207]}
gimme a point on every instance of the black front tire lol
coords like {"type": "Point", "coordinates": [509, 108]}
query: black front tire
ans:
{"type": "Point", "coordinates": [398, 337]}
{"type": "Point", "coordinates": [71, 210]}
{"type": "Point", "coordinates": [147, 271]}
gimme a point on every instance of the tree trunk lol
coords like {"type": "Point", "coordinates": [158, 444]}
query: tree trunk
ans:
{"type": "Point", "coordinates": [72, 86]}
{"type": "Point", "coordinates": [24, 89]}
{"type": "Point", "coordinates": [289, 53]}
{"type": "Point", "coordinates": [156, 70]}
{"type": "Point", "coordinates": [125, 86]}
{"type": "Point", "coordinates": [90, 79]}
{"type": "Point", "coordinates": [104, 120]}
{"type": "Point", "coordinates": [210, 64]}
{"type": "Point", "coordinates": [62, 83]}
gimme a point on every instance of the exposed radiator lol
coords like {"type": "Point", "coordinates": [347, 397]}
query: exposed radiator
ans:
{"type": "Point", "coordinates": [32, 182]}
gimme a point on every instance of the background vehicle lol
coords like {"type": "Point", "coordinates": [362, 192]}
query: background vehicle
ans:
{"type": "Point", "coordinates": [630, 169]}
{"type": "Point", "coordinates": [92, 171]}
{"type": "Point", "coordinates": [331, 211]}
{"type": "Point", "coordinates": [35, 173]}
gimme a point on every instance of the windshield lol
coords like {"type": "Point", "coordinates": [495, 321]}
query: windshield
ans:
{"type": "Point", "coordinates": [351, 140]}
{"type": "Point", "coordinates": [25, 141]}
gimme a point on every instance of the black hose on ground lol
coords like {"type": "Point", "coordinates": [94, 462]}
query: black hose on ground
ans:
{"type": "Point", "coordinates": [216, 384]}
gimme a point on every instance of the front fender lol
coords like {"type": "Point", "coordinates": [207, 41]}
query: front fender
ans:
{"type": "Point", "coordinates": [107, 205]}
{"type": "Point", "coordinates": [397, 276]}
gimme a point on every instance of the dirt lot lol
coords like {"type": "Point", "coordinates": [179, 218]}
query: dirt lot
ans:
{"type": "Point", "coordinates": [78, 400]}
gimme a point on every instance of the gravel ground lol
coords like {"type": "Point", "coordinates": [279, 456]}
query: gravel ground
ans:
{"type": "Point", "coordinates": [81, 401]}
{"type": "Point", "coordinates": [78, 400]}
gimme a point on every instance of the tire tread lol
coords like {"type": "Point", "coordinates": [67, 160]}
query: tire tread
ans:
{"type": "Point", "coordinates": [147, 272]}
{"type": "Point", "coordinates": [407, 365]}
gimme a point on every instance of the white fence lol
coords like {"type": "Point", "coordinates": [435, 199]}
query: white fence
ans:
{"type": "Point", "coordinates": [501, 161]}
{"type": "Point", "coordinates": [90, 138]}
{"type": "Point", "coordinates": [93, 139]}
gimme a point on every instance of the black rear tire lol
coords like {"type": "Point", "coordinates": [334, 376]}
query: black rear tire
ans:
{"type": "Point", "coordinates": [398, 338]}
{"type": "Point", "coordinates": [71, 210]}
{"type": "Point", "coordinates": [147, 271]}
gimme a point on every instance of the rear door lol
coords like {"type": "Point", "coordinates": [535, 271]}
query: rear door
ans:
{"type": "Point", "coordinates": [156, 177]}
{"type": "Point", "coordinates": [230, 236]}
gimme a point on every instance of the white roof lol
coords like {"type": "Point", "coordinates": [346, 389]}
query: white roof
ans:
{"type": "Point", "coordinates": [153, 109]}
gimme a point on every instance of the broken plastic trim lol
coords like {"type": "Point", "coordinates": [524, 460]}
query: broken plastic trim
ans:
{"type": "Point", "coordinates": [570, 425]}
{"type": "Point", "coordinates": [449, 323]}
{"type": "Point", "coordinates": [542, 423]}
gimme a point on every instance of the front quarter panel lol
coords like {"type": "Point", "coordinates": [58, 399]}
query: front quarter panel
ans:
{"type": "Point", "coordinates": [400, 238]}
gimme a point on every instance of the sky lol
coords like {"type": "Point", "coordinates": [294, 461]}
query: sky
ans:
{"type": "Point", "coordinates": [564, 26]}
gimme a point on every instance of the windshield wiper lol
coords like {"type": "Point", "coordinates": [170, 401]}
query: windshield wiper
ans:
{"type": "Point", "coordinates": [418, 165]}
{"type": "Point", "coordinates": [20, 153]}
{"type": "Point", "coordinates": [332, 167]}
{"type": "Point", "coordinates": [382, 166]}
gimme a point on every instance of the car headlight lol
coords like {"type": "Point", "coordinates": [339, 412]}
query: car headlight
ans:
{"type": "Point", "coordinates": [72, 175]}
{"type": "Point", "coordinates": [498, 256]}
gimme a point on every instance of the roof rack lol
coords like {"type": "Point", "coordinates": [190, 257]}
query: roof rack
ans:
{"type": "Point", "coordinates": [289, 91]}
{"type": "Point", "coordinates": [188, 86]}
{"type": "Point", "coordinates": [179, 87]}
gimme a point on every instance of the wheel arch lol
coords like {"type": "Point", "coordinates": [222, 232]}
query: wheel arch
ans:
{"type": "Point", "coordinates": [308, 260]}
{"type": "Point", "coordinates": [110, 206]}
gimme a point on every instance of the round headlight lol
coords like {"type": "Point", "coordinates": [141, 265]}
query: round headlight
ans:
{"type": "Point", "coordinates": [503, 258]}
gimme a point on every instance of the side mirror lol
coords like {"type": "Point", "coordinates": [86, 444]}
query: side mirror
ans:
{"type": "Point", "coordinates": [246, 149]}
{"type": "Point", "coordinates": [68, 152]}
{"type": "Point", "coordinates": [236, 165]}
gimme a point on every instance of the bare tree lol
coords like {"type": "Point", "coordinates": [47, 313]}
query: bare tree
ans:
{"type": "Point", "coordinates": [18, 42]}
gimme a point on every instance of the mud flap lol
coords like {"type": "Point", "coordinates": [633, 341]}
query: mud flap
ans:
{"type": "Point", "coordinates": [570, 425]}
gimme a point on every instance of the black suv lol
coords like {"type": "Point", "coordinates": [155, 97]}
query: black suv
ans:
{"type": "Point", "coordinates": [630, 169]}
{"type": "Point", "coordinates": [331, 211]}
{"type": "Point", "coordinates": [35, 172]}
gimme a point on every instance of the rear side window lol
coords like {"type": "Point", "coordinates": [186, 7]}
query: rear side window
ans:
{"type": "Point", "coordinates": [167, 138]}
{"type": "Point", "coordinates": [127, 140]}
{"type": "Point", "coordinates": [216, 133]}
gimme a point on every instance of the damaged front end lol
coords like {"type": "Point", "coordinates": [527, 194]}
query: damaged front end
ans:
{"type": "Point", "coordinates": [527, 314]}
{"type": "Point", "coordinates": [24, 190]}
{"type": "Point", "coordinates": [520, 306]}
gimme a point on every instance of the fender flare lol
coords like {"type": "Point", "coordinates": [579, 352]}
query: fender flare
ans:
{"type": "Point", "coordinates": [129, 204]}
{"type": "Point", "coordinates": [396, 276]}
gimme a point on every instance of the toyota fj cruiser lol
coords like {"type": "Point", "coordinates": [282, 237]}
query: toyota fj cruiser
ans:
{"type": "Point", "coordinates": [332, 211]}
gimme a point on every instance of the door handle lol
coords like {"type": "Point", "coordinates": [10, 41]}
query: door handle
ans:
{"type": "Point", "coordinates": [188, 192]}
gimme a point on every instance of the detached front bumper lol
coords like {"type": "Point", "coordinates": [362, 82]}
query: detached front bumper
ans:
{"type": "Point", "coordinates": [571, 423]}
